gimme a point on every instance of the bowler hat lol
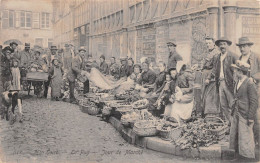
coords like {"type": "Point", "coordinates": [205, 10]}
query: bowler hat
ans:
{"type": "Point", "coordinates": [82, 49]}
{"type": "Point", "coordinates": [102, 56]}
{"type": "Point", "coordinates": [244, 41]}
{"type": "Point", "coordinates": [223, 39]}
{"type": "Point", "coordinates": [171, 42]}
{"type": "Point", "coordinates": [27, 45]}
{"type": "Point", "coordinates": [54, 48]}
{"type": "Point", "coordinates": [13, 43]}
{"type": "Point", "coordinates": [241, 66]}
{"type": "Point", "coordinates": [7, 49]}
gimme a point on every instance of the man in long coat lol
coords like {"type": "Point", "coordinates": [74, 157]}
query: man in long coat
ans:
{"type": "Point", "coordinates": [243, 112]}
{"type": "Point", "coordinates": [222, 73]}
{"type": "Point", "coordinates": [253, 60]}
{"type": "Point", "coordinates": [77, 69]}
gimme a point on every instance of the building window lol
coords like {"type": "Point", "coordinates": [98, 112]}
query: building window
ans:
{"type": "Point", "coordinates": [36, 20]}
{"type": "Point", "coordinates": [25, 19]}
{"type": "Point", "coordinates": [5, 19]}
{"type": "Point", "coordinates": [50, 42]}
{"type": "Point", "coordinates": [11, 19]}
{"type": "Point", "coordinates": [45, 20]}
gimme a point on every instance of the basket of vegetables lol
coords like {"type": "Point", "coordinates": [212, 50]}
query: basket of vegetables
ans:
{"type": "Point", "coordinates": [216, 126]}
{"type": "Point", "coordinates": [145, 127]}
{"type": "Point", "coordinates": [130, 118]}
{"type": "Point", "coordinates": [106, 111]}
{"type": "Point", "coordinates": [166, 130]}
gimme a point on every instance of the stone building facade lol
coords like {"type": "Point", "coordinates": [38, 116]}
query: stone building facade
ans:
{"type": "Point", "coordinates": [141, 28]}
{"type": "Point", "coordinates": [26, 21]}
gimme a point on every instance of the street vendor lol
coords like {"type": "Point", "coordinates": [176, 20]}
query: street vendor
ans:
{"type": "Point", "coordinates": [174, 57]}
{"type": "Point", "coordinates": [114, 68]}
{"type": "Point", "coordinates": [123, 68]}
{"type": "Point", "coordinates": [130, 66]}
{"type": "Point", "coordinates": [25, 56]}
{"type": "Point", "coordinates": [182, 108]}
{"type": "Point", "coordinates": [243, 112]}
{"type": "Point", "coordinates": [103, 65]}
{"type": "Point", "coordinates": [160, 80]}
{"type": "Point", "coordinates": [210, 98]}
{"type": "Point", "coordinates": [75, 71]}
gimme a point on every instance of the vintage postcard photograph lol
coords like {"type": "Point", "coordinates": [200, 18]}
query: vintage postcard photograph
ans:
{"type": "Point", "coordinates": [129, 81]}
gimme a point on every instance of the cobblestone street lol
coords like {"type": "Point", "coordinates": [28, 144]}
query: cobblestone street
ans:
{"type": "Point", "coordinates": [60, 132]}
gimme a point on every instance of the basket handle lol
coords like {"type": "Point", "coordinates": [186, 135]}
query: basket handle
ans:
{"type": "Point", "coordinates": [215, 117]}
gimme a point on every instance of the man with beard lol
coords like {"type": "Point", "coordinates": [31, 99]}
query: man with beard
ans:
{"type": "Point", "coordinates": [222, 73]}
{"type": "Point", "coordinates": [174, 57]}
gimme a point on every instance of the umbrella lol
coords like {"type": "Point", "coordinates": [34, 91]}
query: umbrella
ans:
{"type": "Point", "coordinates": [12, 40]}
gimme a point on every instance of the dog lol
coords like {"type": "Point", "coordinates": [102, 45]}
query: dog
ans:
{"type": "Point", "coordinates": [11, 99]}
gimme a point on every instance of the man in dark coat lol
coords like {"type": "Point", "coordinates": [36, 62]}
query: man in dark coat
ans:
{"type": "Point", "coordinates": [223, 75]}
{"type": "Point", "coordinates": [148, 77]}
{"type": "Point", "coordinates": [243, 112]}
{"type": "Point", "coordinates": [6, 74]}
{"type": "Point", "coordinates": [76, 70]}
{"type": "Point", "coordinates": [103, 65]}
{"type": "Point", "coordinates": [253, 60]}
{"type": "Point", "coordinates": [123, 68]}
{"type": "Point", "coordinates": [174, 57]}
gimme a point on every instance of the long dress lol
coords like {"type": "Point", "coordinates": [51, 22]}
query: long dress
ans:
{"type": "Point", "coordinates": [56, 81]}
{"type": "Point", "coordinates": [182, 108]}
{"type": "Point", "coordinates": [16, 78]}
{"type": "Point", "coordinates": [210, 97]}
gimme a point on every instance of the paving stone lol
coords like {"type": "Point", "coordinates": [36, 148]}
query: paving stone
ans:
{"type": "Point", "coordinates": [210, 152]}
{"type": "Point", "coordinates": [227, 154]}
{"type": "Point", "coordinates": [186, 153]}
{"type": "Point", "coordinates": [160, 145]}
{"type": "Point", "coordinates": [195, 153]}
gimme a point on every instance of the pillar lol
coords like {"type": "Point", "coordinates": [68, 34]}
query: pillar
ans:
{"type": "Point", "coordinates": [230, 24]}
{"type": "Point", "coordinates": [213, 22]}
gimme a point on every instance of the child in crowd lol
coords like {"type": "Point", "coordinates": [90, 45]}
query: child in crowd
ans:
{"type": "Point", "coordinates": [56, 73]}
{"type": "Point", "coordinates": [16, 75]}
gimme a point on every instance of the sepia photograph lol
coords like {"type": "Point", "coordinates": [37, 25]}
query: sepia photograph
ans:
{"type": "Point", "coordinates": [129, 81]}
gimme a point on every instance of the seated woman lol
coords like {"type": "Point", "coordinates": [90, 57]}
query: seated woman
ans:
{"type": "Point", "coordinates": [182, 105]}
{"type": "Point", "coordinates": [131, 80]}
{"type": "Point", "coordinates": [147, 79]}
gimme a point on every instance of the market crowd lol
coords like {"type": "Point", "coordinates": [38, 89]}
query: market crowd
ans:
{"type": "Point", "coordinates": [229, 82]}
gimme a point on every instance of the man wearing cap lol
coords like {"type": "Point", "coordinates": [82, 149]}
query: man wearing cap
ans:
{"type": "Point", "coordinates": [210, 100]}
{"type": "Point", "coordinates": [6, 73]}
{"type": "Point", "coordinates": [174, 57]}
{"type": "Point", "coordinates": [253, 60]}
{"type": "Point", "coordinates": [243, 112]}
{"type": "Point", "coordinates": [76, 70]}
{"type": "Point", "coordinates": [103, 67]}
{"type": "Point", "coordinates": [67, 57]}
{"type": "Point", "coordinates": [222, 73]}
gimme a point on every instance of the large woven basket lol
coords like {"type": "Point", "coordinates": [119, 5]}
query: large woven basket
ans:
{"type": "Point", "coordinates": [172, 134]}
{"type": "Point", "coordinates": [87, 108]}
{"type": "Point", "coordinates": [93, 110]}
{"type": "Point", "coordinates": [147, 131]}
{"type": "Point", "coordinates": [221, 130]}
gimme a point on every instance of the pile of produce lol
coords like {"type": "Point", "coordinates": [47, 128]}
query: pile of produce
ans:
{"type": "Point", "coordinates": [129, 95]}
{"type": "Point", "coordinates": [196, 134]}
{"type": "Point", "coordinates": [140, 104]}
{"type": "Point", "coordinates": [167, 126]}
{"type": "Point", "coordinates": [131, 116]}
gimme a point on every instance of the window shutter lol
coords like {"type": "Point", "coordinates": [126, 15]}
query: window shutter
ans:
{"type": "Point", "coordinates": [17, 19]}
{"type": "Point", "coordinates": [5, 18]}
{"type": "Point", "coordinates": [36, 20]}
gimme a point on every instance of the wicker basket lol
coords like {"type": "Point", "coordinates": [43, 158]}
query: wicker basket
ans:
{"type": "Point", "coordinates": [172, 134]}
{"type": "Point", "coordinates": [106, 111]}
{"type": "Point", "coordinates": [219, 132]}
{"type": "Point", "coordinates": [92, 110]}
{"type": "Point", "coordinates": [142, 106]}
{"type": "Point", "coordinates": [147, 131]}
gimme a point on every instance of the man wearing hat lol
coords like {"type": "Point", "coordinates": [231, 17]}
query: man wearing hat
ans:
{"type": "Point", "coordinates": [174, 57]}
{"type": "Point", "coordinates": [103, 67]}
{"type": "Point", "coordinates": [77, 70]}
{"type": "Point", "coordinates": [222, 73]}
{"type": "Point", "coordinates": [243, 112]}
{"type": "Point", "coordinates": [253, 60]}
